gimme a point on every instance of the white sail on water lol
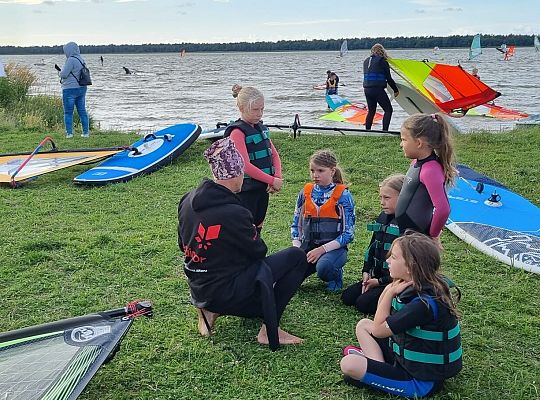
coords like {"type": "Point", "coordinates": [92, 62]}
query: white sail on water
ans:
{"type": "Point", "coordinates": [536, 43]}
{"type": "Point", "coordinates": [476, 48]}
{"type": "Point", "coordinates": [344, 50]}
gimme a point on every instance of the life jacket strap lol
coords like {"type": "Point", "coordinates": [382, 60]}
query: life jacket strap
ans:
{"type": "Point", "coordinates": [260, 154]}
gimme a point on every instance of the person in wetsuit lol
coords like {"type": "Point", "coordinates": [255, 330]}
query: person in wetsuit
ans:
{"type": "Point", "coordinates": [376, 77]}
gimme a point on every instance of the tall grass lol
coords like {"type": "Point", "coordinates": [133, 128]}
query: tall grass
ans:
{"type": "Point", "coordinates": [69, 250]}
{"type": "Point", "coordinates": [19, 110]}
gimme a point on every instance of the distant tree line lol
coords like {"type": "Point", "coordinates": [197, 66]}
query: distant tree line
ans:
{"type": "Point", "coordinates": [400, 42]}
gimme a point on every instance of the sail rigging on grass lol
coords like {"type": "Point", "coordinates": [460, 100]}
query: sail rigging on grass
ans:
{"type": "Point", "coordinates": [16, 168]}
{"type": "Point", "coordinates": [475, 49]}
{"type": "Point", "coordinates": [57, 360]}
{"type": "Point", "coordinates": [449, 87]}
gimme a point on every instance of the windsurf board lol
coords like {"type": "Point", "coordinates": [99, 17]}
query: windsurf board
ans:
{"type": "Point", "coordinates": [146, 155]}
{"type": "Point", "coordinates": [212, 134]}
{"type": "Point", "coordinates": [495, 220]}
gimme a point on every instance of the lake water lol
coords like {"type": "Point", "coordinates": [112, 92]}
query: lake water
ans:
{"type": "Point", "coordinates": [166, 89]}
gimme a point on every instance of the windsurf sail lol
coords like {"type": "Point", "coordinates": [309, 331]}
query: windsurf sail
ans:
{"type": "Point", "coordinates": [536, 43]}
{"type": "Point", "coordinates": [502, 48]}
{"type": "Point", "coordinates": [452, 89]}
{"type": "Point", "coordinates": [343, 50]}
{"type": "Point", "coordinates": [17, 168]}
{"type": "Point", "coordinates": [491, 110]}
{"type": "Point", "coordinates": [58, 359]}
{"type": "Point", "coordinates": [475, 49]}
{"type": "Point", "coordinates": [345, 111]}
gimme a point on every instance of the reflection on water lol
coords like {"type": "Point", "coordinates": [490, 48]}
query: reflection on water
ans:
{"type": "Point", "coordinates": [165, 89]}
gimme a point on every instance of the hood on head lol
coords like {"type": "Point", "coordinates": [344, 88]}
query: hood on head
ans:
{"type": "Point", "coordinates": [71, 49]}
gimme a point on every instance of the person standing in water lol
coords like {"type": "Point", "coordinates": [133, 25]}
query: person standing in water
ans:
{"type": "Point", "coordinates": [376, 77]}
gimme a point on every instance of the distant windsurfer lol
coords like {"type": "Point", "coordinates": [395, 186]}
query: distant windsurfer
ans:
{"type": "Point", "coordinates": [376, 77]}
{"type": "Point", "coordinates": [127, 71]}
{"type": "Point", "coordinates": [101, 60]}
{"type": "Point", "coordinates": [475, 73]}
{"type": "Point", "coordinates": [2, 70]}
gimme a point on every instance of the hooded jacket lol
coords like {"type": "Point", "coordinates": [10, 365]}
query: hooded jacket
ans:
{"type": "Point", "coordinates": [218, 238]}
{"type": "Point", "coordinates": [72, 67]}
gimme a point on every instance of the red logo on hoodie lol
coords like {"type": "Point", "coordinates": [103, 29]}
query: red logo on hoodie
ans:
{"type": "Point", "coordinates": [206, 235]}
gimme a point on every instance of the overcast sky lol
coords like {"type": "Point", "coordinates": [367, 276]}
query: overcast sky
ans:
{"type": "Point", "coordinates": [54, 22]}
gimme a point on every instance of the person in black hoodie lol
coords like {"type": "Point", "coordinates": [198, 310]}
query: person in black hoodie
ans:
{"type": "Point", "coordinates": [376, 76]}
{"type": "Point", "coordinates": [225, 258]}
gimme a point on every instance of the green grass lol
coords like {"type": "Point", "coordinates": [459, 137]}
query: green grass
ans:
{"type": "Point", "coordinates": [69, 250]}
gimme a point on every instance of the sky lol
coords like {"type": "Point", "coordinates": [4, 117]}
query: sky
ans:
{"type": "Point", "coordinates": [99, 22]}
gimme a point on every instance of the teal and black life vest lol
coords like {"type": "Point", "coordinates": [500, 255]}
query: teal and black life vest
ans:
{"type": "Point", "coordinates": [374, 72]}
{"type": "Point", "coordinates": [414, 208]}
{"type": "Point", "coordinates": [433, 351]}
{"type": "Point", "coordinates": [259, 150]}
{"type": "Point", "coordinates": [323, 224]}
{"type": "Point", "coordinates": [385, 231]}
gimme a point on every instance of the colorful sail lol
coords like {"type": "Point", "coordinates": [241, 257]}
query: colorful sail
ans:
{"type": "Point", "coordinates": [475, 49]}
{"type": "Point", "coordinates": [344, 49]}
{"type": "Point", "coordinates": [449, 87]}
{"type": "Point", "coordinates": [491, 110]}
{"type": "Point", "coordinates": [344, 111]}
{"type": "Point", "coordinates": [17, 168]}
{"type": "Point", "coordinates": [536, 43]}
{"type": "Point", "coordinates": [57, 360]}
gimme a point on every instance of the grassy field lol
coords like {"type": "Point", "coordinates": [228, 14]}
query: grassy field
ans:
{"type": "Point", "coordinates": [69, 250]}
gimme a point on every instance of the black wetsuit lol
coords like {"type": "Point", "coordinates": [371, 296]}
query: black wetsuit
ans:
{"type": "Point", "coordinates": [376, 76]}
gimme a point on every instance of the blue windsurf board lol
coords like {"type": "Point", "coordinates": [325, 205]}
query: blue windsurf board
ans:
{"type": "Point", "coordinates": [495, 220]}
{"type": "Point", "coordinates": [146, 155]}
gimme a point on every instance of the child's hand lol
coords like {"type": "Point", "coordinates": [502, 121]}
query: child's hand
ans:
{"type": "Point", "coordinates": [277, 184]}
{"type": "Point", "coordinates": [315, 254]}
{"type": "Point", "coordinates": [365, 278]}
{"type": "Point", "coordinates": [370, 284]}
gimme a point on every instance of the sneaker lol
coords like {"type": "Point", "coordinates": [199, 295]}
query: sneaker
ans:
{"type": "Point", "coordinates": [348, 350]}
{"type": "Point", "coordinates": [69, 135]}
{"type": "Point", "coordinates": [85, 135]}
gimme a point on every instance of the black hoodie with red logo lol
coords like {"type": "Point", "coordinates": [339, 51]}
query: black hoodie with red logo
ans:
{"type": "Point", "coordinates": [218, 238]}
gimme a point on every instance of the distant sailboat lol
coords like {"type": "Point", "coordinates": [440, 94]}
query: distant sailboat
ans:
{"type": "Point", "coordinates": [344, 50]}
{"type": "Point", "coordinates": [476, 48]}
{"type": "Point", "coordinates": [536, 43]}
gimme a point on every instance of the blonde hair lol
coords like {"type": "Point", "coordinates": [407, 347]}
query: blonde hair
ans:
{"type": "Point", "coordinates": [434, 129]}
{"type": "Point", "coordinates": [423, 259]}
{"type": "Point", "coordinates": [394, 182]}
{"type": "Point", "coordinates": [379, 50]}
{"type": "Point", "coordinates": [327, 159]}
{"type": "Point", "coordinates": [246, 96]}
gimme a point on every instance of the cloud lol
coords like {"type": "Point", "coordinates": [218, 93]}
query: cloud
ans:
{"type": "Point", "coordinates": [221, 1]}
{"type": "Point", "coordinates": [429, 3]}
{"type": "Point", "coordinates": [300, 23]}
{"type": "Point", "coordinates": [453, 9]}
{"type": "Point", "coordinates": [420, 11]}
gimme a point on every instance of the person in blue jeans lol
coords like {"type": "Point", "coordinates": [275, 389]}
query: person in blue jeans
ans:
{"type": "Point", "coordinates": [73, 94]}
{"type": "Point", "coordinates": [323, 221]}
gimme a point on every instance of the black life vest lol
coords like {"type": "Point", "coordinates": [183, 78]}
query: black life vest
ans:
{"type": "Point", "coordinates": [433, 351]}
{"type": "Point", "coordinates": [374, 72]}
{"type": "Point", "coordinates": [259, 148]}
{"type": "Point", "coordinates": [414, 208]}
{"type": "Point", "coordinates": [385, 231]}
{"type": "Point", "coordinates": [323, 224]}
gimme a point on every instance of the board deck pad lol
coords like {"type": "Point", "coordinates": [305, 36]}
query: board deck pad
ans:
{"type": "Point", "coordinates": [508, 230]}
{"type": "Point", "coordinates": [153, 152]}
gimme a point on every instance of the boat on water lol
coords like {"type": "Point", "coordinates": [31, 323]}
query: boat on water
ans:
{"type": "Point", "coordinates": [476, 49]}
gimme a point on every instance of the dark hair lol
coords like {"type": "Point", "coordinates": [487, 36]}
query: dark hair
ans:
{"type": "Point", "coordinates": [423, 259]}
{"type": "Point", "coordinates": [434, 129]}
{"type": "Point", "coordinates": [327, 158]}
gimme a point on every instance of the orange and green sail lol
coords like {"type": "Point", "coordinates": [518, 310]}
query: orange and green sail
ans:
{"type": "Point", "coordinates": [450, 87]}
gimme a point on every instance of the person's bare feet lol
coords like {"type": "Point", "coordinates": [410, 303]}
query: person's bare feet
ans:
{"type": "Point", "coordinates": [284, 337]}
{"type": "Point", "coordinates": [210, 318]}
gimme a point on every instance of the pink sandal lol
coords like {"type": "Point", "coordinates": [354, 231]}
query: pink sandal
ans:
{"type": "Point", "coordinates": [357, 351]}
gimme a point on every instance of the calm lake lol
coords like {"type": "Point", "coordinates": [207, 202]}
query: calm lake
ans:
{"type": "Point", "coordinates": [166, 89]}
